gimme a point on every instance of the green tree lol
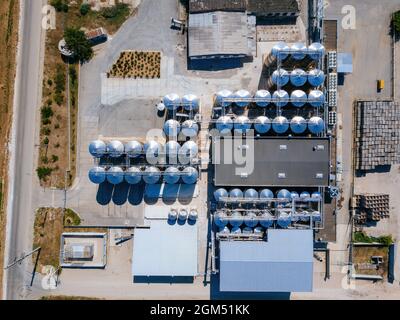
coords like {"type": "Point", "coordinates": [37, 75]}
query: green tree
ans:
{"type": "Point", "coordinates": [43, 172]}
{"type": "Point", "coordinates": [77, 43]}
{"type": "Point", "coordinates": [84, 9]}
{"type": "Point", "coordinates": [396, 21]}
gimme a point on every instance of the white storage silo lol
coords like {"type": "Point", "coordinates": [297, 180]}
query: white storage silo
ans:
{"type": "Point", "coordinates": [115, 149]}
{"type": "Point", "coordinates": [284, 219]}
{"type": "Point", "coordinates": [236, 194]}
{"type": "Point", "coordinates": [236, 230]}
{"type": "Point", "coordinates": [316, 51]}
{"type": "Point", "coordinates": [280, 77]}
{"type": "Point", "coordinates": [183, 215]}
{"type": "Point", "coordinates": [193, 215]}
{"type": "Point", "coordinates": [190, 175]}
{"type": "Point", "coordinates": [190, 102]}
{"type": "Point", "coordinates": [171, 149]}
{"type": "Point", "coordinates": [258, 230]}
{"type": "Point", "coordinates": [263, 98]}
{"type": "Point", "coordinates": [298, 77]}
{"type": "Point", "coordinates": [266, 194]}
{"type": "Point", "coordinates": [281, 98]}
{"type": "Point", "coordinates": [294, 195]}
{"type": "Point", "coordinates": [247, 230]}
{"type": "Point", "coordinates": [236, 219]}
{"type": "Point", "coordinates": [304, 195]}
{"type": "Point", "coordinates": [172, 215]}
{"type": "Point", "coordinates": [316, 195]}
{"type": "Point", "coordinates": [242, 94]}
{"type": "Point", "coordinates": [316, 125]}
{"type": "Point", "coordinates": [224, 125]}
{"type": "Point", "coordinates": [316, 98]}
{"type": "Point", "coordinates": [220, 193]}
{"type": "Point", "coordinates": [280, 50]}
{"type": "Point", "coordinates": [224, 230]}
{"type": "Point", "coordinates": [262, 124]}
{"type": "Point", "coordinates": [242, 124]}
{"type": "Point", "coordinates": [151, 175]}
{"type": "Point", "coordinates": [172, 101]}
{"type": "Point", "coordinates": [298, 51]}
{"type": "Point", "coordinates": [152, 150]}
{"type": "Point", "coordinates": [171, 175]}
{"type": "Point", "coordinates": [220, 219]}
{"type": "Point", "coordinates": [172, 128]}
{"type": "Point", "coordinates": [285, 195]}
{"type": "Point", "coordinates": [97, 175]}
{"type": "Point", "coordinates": [298, 125]}
{"type": "Point", "coordinates": [188, 152]}
{"type": "Point", "coordinates": [316, 77]}
{"type": "Point", "coordinates": [250, 219]}
{"type": "Point", "coordinates": [316, 216]}
{"type": "Point", "coordinates": [97, 148]}
{"type": "Point", "coordinates": [280, 124]}
{"type": "Point", "coordinates": [266, 219]}
{"type": "Point", "coordinates": [133, 175]}
{"type": "Point", "coordinates": [298, 98]}
{"type": "Point", "coordinates": [251, 194]}
{"type": "Point", "coordinates": [133, 149]}
{"type": "Point", "coordinates": [221, 96]}
{"type": "Point", "coordinates": [115, 175]}
{"type": "Point", "coordinates": [190, 128]}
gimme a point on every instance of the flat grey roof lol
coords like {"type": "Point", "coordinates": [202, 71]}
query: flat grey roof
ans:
{"type": "Point", "coordinates": [218, 33]}
{"type": "Point", "coordinates": [284, 263]}
{"type": "Point", "coordinates": [281, 162]}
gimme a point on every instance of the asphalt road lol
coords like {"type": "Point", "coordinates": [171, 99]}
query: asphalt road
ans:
{"type": "Point", "coordinates": [23, 155]}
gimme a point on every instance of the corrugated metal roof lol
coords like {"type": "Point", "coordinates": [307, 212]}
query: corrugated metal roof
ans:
{"type": "Point", "coordinates": [196, 6]}
{"type": "Point", "coordinates": [165, 250]}
{"type": "Point", "coordinates": [265, 7]}
{"type": "Point", "coordinates": [218, 33]}
{"type": "Point", "coordinates": [284, 263]}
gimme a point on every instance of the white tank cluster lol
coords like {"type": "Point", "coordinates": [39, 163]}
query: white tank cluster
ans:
{"type": "Point", "coordinates": [173, 102]}
{"type": "Point", "coordinates": [298, 51]}
{"type": "Point", "coordinates": [183, 215]}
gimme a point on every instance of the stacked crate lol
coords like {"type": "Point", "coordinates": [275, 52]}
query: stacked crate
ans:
{"type": "Point", "coordinates": [377, 134]}
{"type": "Point", "coordinates": [372, 207]}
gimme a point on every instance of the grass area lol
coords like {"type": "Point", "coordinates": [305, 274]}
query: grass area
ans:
{"type": "Point", "coordinates": [9, 10]}
{"type": "Point", "coordinates": [362, 260]}
{"type": "Point", "coordinates": [57, 154]}
{"type": "Point", "coordinates": [67, 298]}
{"type": "Point", "coordinates": [363, 238]}
{"type": "Point", "coordinates": [71, 218]}
{"type": "Point", "coordinates": [136, 64]}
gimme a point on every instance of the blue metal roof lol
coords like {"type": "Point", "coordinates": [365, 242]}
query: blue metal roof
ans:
{"type": "Point", "coordinates": [344, 63]}
{"type": "Point", "coordinates": [165, 250]}
{"type": "Point", "coordinates": [284, 263]}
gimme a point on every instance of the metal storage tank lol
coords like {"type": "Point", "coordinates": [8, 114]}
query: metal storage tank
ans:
{"type": "Point", "coordinates": [251, 194]}
{"type": "Point", "coordinates": [236, 219]}
{"type": "Point", "coordinates": [221, 95]}
{"type": "Point", "coordinates": [152, 150]}
{"type": "Point", "coordinates": [172, 215]}
{"type": "Point", "coordinates": [304, 195]}
{"type": "Point", "coordinates": [266, 219]}
{"type": "Point", "coordinates": [316, 98]}
{"type": "Point", "coordinates": [190, 175]}
{"type": "Point", "coordinates": [224, 124]}
{"type": "Point", "coordinates": [193, 215]}
{"type": "Point", "coordinates": [298, 125]}
{"type": "Point", "coordinates": [281, 98]}
{"type": "Point", "coordinates": [284, 219]}
{"type": "Point", "coordinates": [115, 149]}
{"type": "Point", "coordinates": [298, 77]}
{"type": "Point", "coordinates": [258, 230]}
{"type": "Point", "coordinates": [133, 149]}
{"type": "Point", "coordinates": [298, 51]}
{"type": "Point", "coordinates": [97, 148]}
{"type": "Point", "coordinates": [294, 195]}
{"type": "Point", "coordinates": [316, 51]}
{"type": "Point", "coordinates": [280, 124]}
{"type": "Point", "coordinates": [220, 193]}
{"type": "Point", "coordinates": [284, 194]}
{"type": "Point", "coordinates": [172, 128]}
{"type": "Point", "coordinates": [183, 215]}
{"type": "Point", "coordinates": [277, 50]}
{"type": "Point", "coordinates": [152, 175]}
{"type": "Point", "coordinates": [250, 219]}
{"type": "Point", "coordinates": [316, 195]}
{"type": "Point", "coordinates": [190, 128]}
{"type": "Point", "coordinates": [262, 124]}
{"type": "Point", "coordinates": [133, 175]}
{"type": "Point", "coordinates": [266, 194]}
{"type": "Point", "coordinates": [97, 175]}
{"type": "Point", "coordinates": [247, 230]}
{"type": "Point", "coordinates": [236, 194]}
{"type": "Point", "coordinates": [188, 151]}
{"type": "Point", "coordinates": [171, 175]}
{"type": "Point", "coordinates": [316, 216]}
{"type": "Point", "coordinates": [236, 230]}
{"type": "Point", "coordinates": [242, 94]}
{"type": "Point", "coordinates": [115, 175]}
{"type": "Point", "coordinates": [172, 101]}
{"type": "Point", "coordinates": [298, 98]}
{"type": "Point", "coordinates": [190, 102]}
{"type": "Point", "coordinates": [242, 124]}
{"type": "Point", "coordinates": [224, 230]}
{"type": "Point", "coordinates": [316, 125]}
{"type": "Point", "coordinates": [220, 219]}
{"type": "Point", "coordinates": [280, 77]}
{"type": "Point", "coordinates": [171, 149]}
{"type": "Point", "coordinates": [316, 77]}
{"type": "Point", "coordinates": [263, 98]}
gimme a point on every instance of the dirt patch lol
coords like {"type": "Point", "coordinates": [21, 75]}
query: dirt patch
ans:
{"type": "Point", "coordinates": [9, 11]}
{"type": "Point", "coordinates": [364, 264]}
{"type": "Point", "coordinates": [137, 64]}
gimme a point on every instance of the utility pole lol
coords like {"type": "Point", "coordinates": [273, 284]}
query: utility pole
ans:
{"type": "Point", "coordinates": [22, 258]}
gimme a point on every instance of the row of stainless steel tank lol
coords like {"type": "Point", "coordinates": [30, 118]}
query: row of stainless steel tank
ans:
{"type": "Point", "coordinates": [188, 102]}
{"type": "Point", "coordinates": [298, 51]}
{"type": "Point", "coordinates": [150, 175]}
{"type": "Point", "coordinates": [263, 98]}
{"type": "Point", "coordinates": [297, 77]}
{"type": "Point", "coordinates": [152, 150]}
{"type": "Point", "coordinates": [262, 125]}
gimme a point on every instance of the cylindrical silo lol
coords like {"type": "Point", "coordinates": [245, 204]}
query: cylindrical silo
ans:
{"type": "Point", "coordinates": [151, 175]}
{"type": "Point", "coordinates": [183, 215]}
{"type": "Point", "coordinates": [298, 98]}
{"type": "Point", "coordinates": [236, 230]}
{"type": "Point", "coordinates": [193, 215]}
{"type": "Point", "coordinates": [316, 195]}
{"type": "Point", "coordinates": [236, 219]}
{"type": "Point", "coordinates": [133, 149]}
{"type": "Point", "coordinates": [133, 175]}
{"type": "Point", "coordinates": [316, 216]}
{"type": "Point", "coordinates": [242, 94]}
{"type": "Point", "coordinates": [281, 98]}
{"type": "Point", "coordinates": [280, 124]}
{"type": "Point", "coordinates": [280, 77]}
{"type": "Point", "coordinates": [171, 175]}
{"type": "Point", "coordinates": [316, 125]}
{"type": "Point", "coordinates": [190, 128]}
{"type": "Point", "coordinates": [251, 194]}
{"type": "Point", "coordinates": [247, 230]}
{"type": "Point", "coordinates": [115, 175]}
{"type": "Point", "coordinates": [221, 96]}
{"type": "Point", "coordinates": [97, 148]}
{"type": "Point", "coordinates": [284, 219]}
{"type": "Point", "coordinates": [262, 124]}
{"type": "Point", "coordinates": [236, 194]}
{"type": "Point", "coordinates": [298, 125]}
{"type": "Point", "coordinates": [97, 175]}
{"type": "Point", "coordinates": [152, 150]}
{"type": "Point", "coordinates": [220, 219]}
{"type": "Point", "coordinates": [316, 98]}
{"type": "Point", "coordinates": [242, 124]}
{"type": "Point", "coordinates": [304, 195]}
{"type": "Point", "coordinates": [266, 219]}
{"type": "Point", "coordinates": [224, 125]}
{"type": "Point", "coordinates": [220, 193]}
{"type": "Point", "coordinates": [266, 194]}
{"type": "Point", "coordinates": [172, 215]}
{"type": "Point", "coordinates": [172, 101]}
{"type": "Point", "coordinates": [188, 152]}
{"type": "Point", "coordinates": [316, 51]}
{"type": "Point", "coordinates": [190, 175]}
{"type": "Point", "coordinates": [316, 77]}
{"type": "Point", "coordinates": [280, 50]}
{"type": "Point", "coordinates": [298, 51]}
{"type": "Point", "coordinates": [250, 219]}
{"type": "Point", "coordinates": [258, 230]}
{"type": "Point", "coordinates": [294, 195]}
{"type": "Point", "coordinates": [298, 77]}
{"type": "Point", "coordinates": [263, 98]}
{"type": "Point", "coordinates": [115, 149]}
{"type": "Point", "coordinates": [284, 194]}
{"type": "Point", "coordinates": [224, 230]}
{"type": "Point", "coordinates": [172, 128]}
{"type": "Point", "coordinates": [172, 150]}
{"type": "Point", "coordinates": [190, 102]}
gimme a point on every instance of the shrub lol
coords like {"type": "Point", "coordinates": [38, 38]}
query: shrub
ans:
{"type": "Point", "coordinates": [47, 112]}
{"type": "Point", "coordinates": [50, 82]}
{"type": "Point", "coordinates": [54, 158]}
{"type": "Point", "coordinates": [59, 5]}
{"type": "Point", "coordinates": [46, 131]}
{"type": "Point", "coordinates": [84, 9]}
{"type": "Point", "coordinates": [57, 126]}
{"type": "Point", "coordinates": [396, 21]}
{"type": "Point", "coordinates": [46, 121]}
{"type": "Point", "coordinates": [46, 141]}
{"type": "Point", "coordinates": [59, 98]}
{"type": "Point", "coordinates": [44, 159]}
{"type": "Point", "coordinates": [120, 10]}
{"type": "Point", "coordinates": [43, 172]}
